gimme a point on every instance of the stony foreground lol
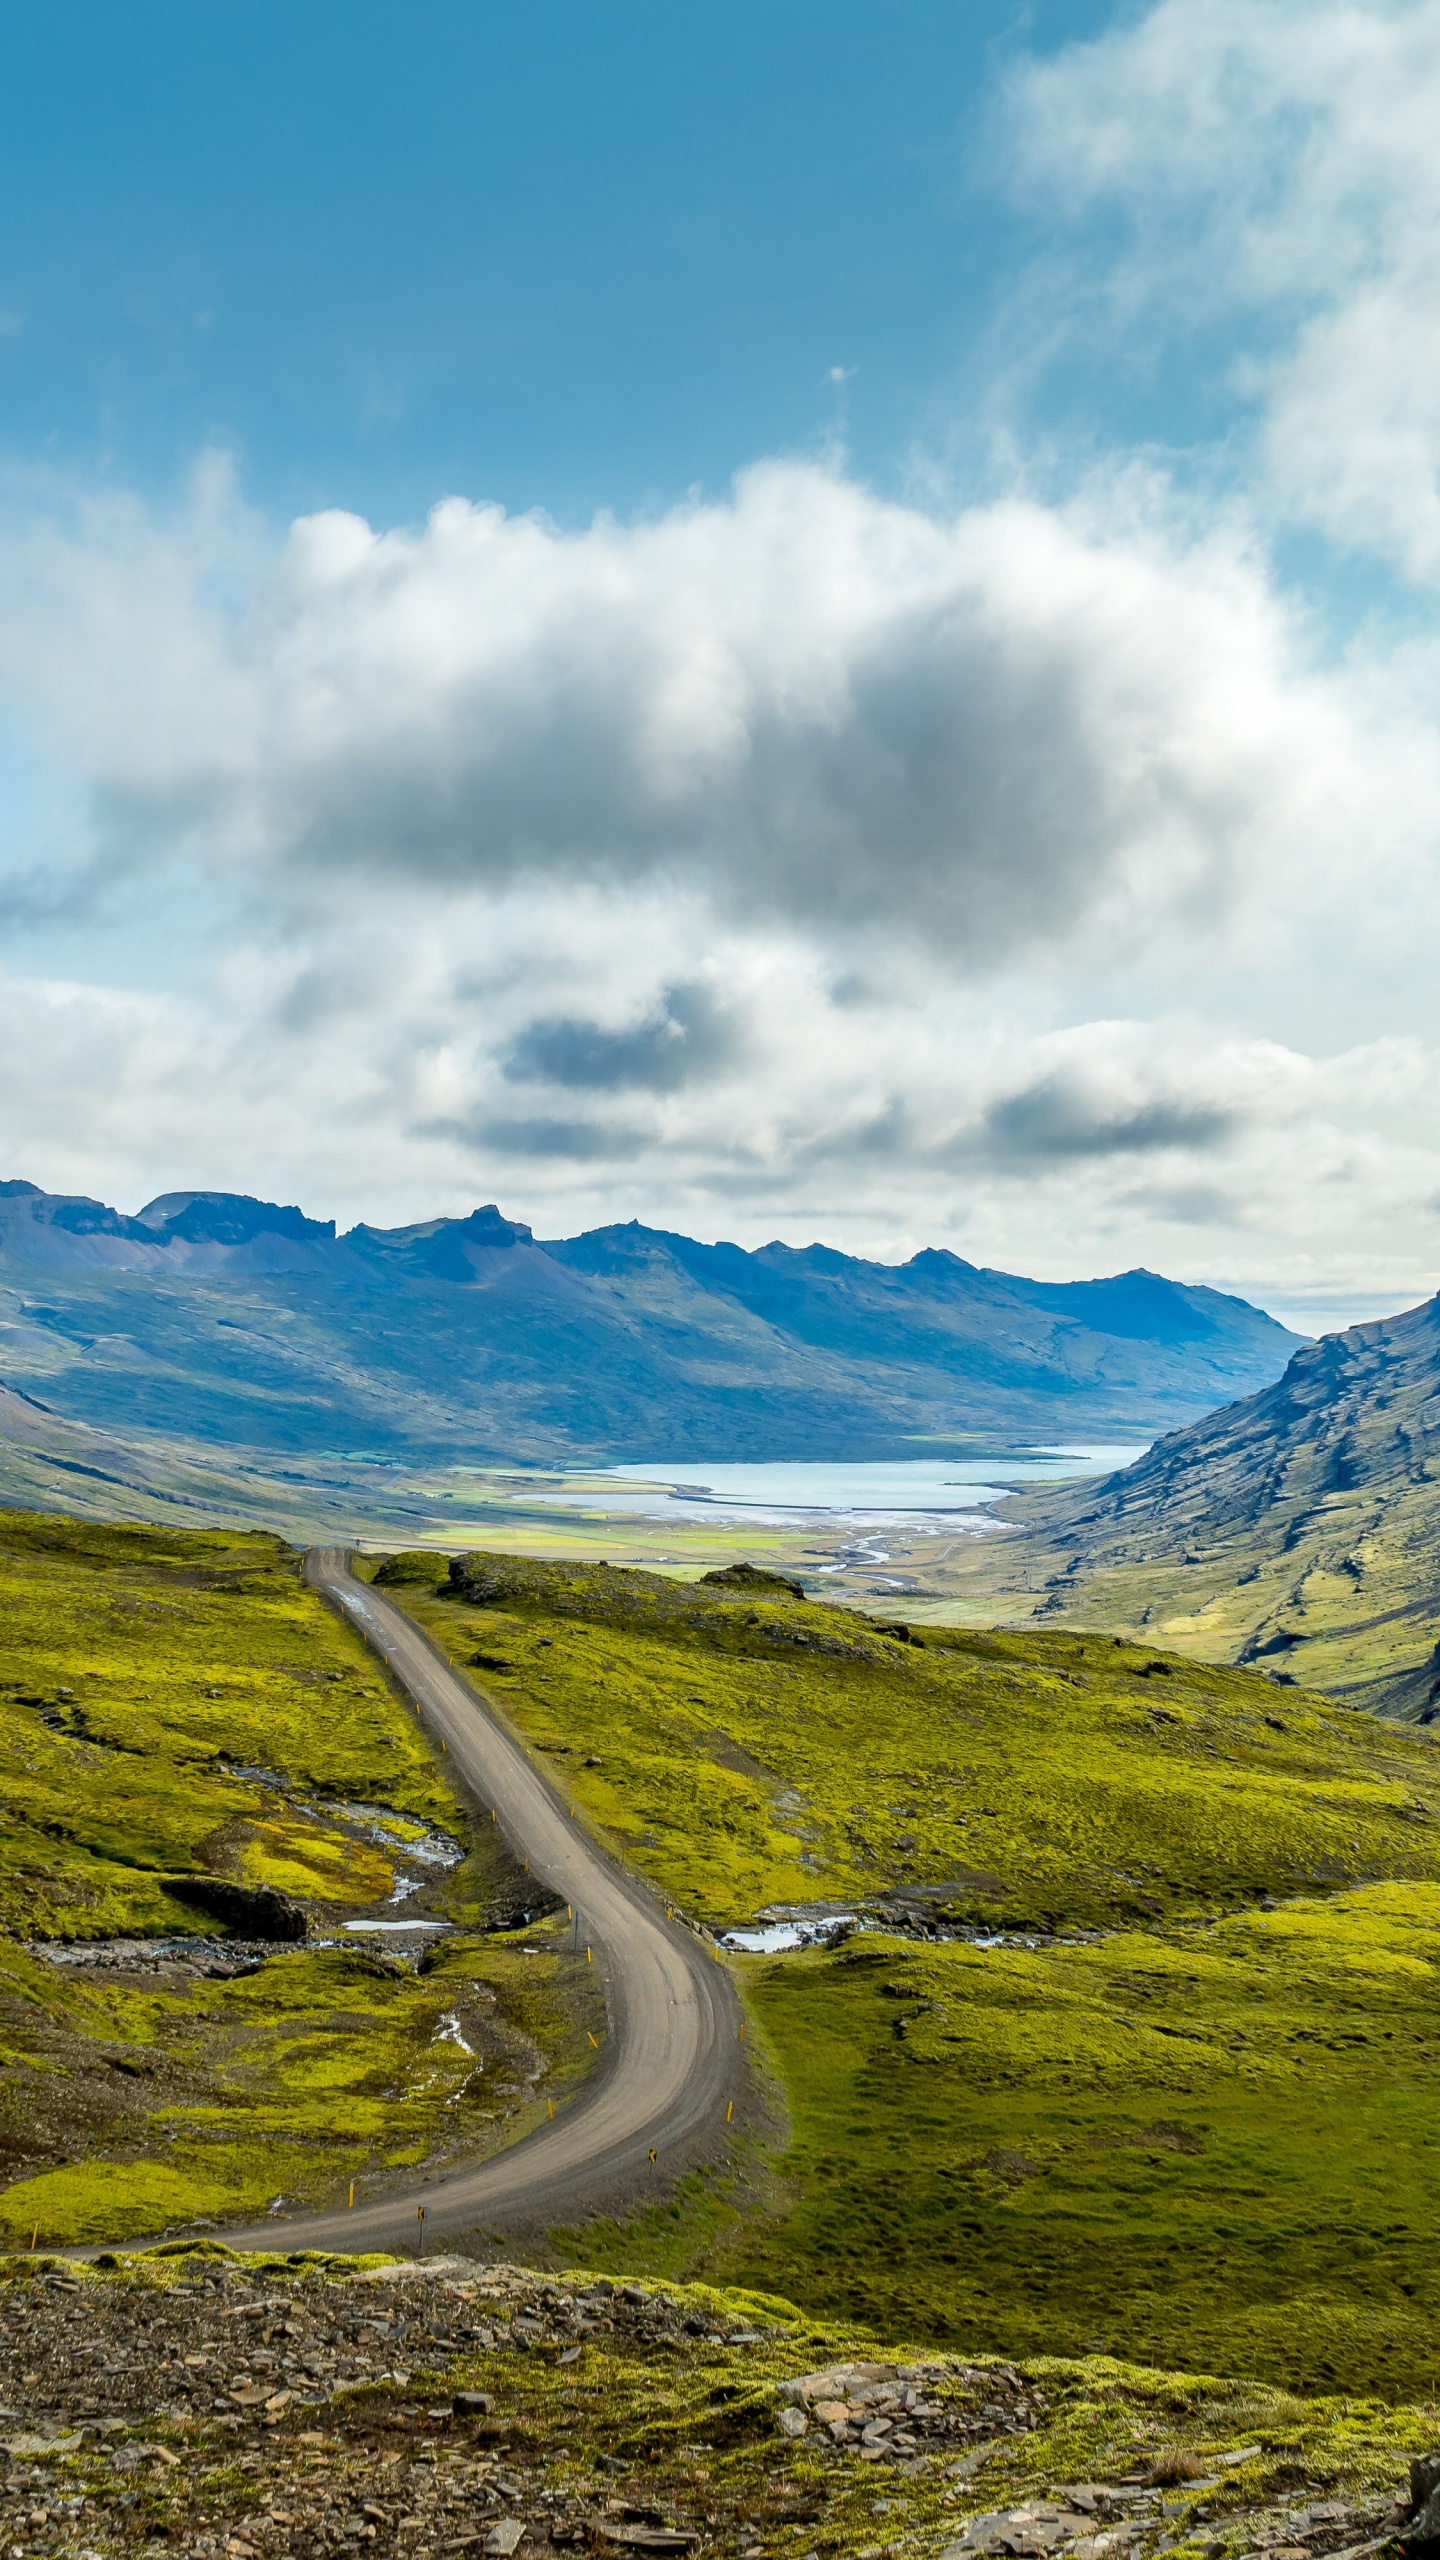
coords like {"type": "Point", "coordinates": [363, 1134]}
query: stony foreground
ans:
{"type": "Point", "coordinates": [197, 2403]}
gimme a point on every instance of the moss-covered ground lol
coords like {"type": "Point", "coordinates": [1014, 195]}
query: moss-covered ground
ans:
{"type": "Point", "coordinates": [746, 1749]}
{"type": "Point", "coordinates": [182, 1717]}
{"type": "Point", "coordinates": [1191, 2122]}
{"type": "Point", "coordinates": [1206, 2145]}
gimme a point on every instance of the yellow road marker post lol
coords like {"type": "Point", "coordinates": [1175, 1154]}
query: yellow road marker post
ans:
{"type": "Point", "coordinates": [652, 2159]}
{"type": "Point", "coordinates": [352, 2195]}
{"type": "Point", "coordinates": [550, 2106]}
{"type": "Point", "coordinates": [729, 2109]}
{"type": "Point", "coordinates": [594, 2040]}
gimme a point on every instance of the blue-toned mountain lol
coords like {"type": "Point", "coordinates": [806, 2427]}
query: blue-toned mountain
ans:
{"type": "Point", "coordinates": [229, 1319]}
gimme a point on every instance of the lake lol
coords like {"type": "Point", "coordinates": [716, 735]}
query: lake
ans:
{"type": "Point", "coordinates": [817, 1491]}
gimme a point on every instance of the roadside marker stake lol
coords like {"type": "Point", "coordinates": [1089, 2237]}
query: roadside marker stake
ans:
{"type": "Point", "coordinates": [588, 1957]}
{"type": "Point", "coordinates": [420, 2218]}
{"type": "Point", "coordinates": [35, 2234]}
{"type": "Point", "coordinates": [550, 2103]}
{"type": "Point", "coordinates": [730, 2110]}
{"type": "Point", "coordinates": [742, 2035]}
{"type": "Point", "coordinates": [444, 1745]}
{"type": "Point", "coordinates": [352, 2195]}
{"type": "Point", "coordinates": [652, 2159]}
{"type": "Point", "coordinates": [594, 2040]}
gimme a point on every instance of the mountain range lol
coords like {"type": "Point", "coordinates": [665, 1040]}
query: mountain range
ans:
{"type": "Point", "coordinates": [1297, 1530]}
{"type": "Point", "coordinates": [238, 1323]}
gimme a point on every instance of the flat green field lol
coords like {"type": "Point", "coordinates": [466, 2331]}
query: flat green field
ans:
{"type": "Point", "coordinates": [186, 1727]}
{"type": "Point", "coordinates": [1190, 2124]}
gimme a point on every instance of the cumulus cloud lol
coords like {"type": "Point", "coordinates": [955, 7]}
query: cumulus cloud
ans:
{"type": "Point", "coordinates": [1275, 161]}
{"type": "Point", "coordinates": [987, 732]}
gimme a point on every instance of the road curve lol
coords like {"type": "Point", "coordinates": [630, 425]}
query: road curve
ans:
{"type": "Point", "coordinates": [670, 2061]}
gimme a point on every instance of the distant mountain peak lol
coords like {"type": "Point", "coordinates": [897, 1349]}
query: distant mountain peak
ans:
{"type": "Point", "coordinates": [226, 1217]}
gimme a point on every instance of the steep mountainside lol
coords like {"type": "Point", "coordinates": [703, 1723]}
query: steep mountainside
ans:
{"type": "Point", "coordinates": [234, 1321]}
{"type": "Point", "coordinates": [1296, 1531]}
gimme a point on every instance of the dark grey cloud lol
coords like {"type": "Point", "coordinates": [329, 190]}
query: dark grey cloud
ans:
{"type": "Point", "coordinates": [1061, 1117]}
{"type": "Point", "coordinates": [688, 1035]}
{"type": "Point", "coordinates": [572, 1141]}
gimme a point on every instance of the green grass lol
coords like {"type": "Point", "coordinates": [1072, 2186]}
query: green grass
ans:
{"type": "Point", "coordinates": [143, 1674]}
{"type": "Point", "coordinates": [1203, 2138]}
{"type": "Point", "coordinates": [1208, 2146]}
{"type": "Point", "coordinates": [754, 1751]}
{"type": "Point", "coordinates": [179, 1706]}
{"type": "Point", "coordinates": [321, 2067]}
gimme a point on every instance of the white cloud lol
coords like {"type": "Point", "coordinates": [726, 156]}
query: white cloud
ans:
{"type": "Point", "coordinates": [1276, 164]}
{"type": "Point", "coordinates": [988, 732]}
{"type": "Point", "coordinates": [880, 1126]}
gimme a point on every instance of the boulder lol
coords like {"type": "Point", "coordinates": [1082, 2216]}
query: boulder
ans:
{"type": "Point", "coordinates": [1423, 2527]}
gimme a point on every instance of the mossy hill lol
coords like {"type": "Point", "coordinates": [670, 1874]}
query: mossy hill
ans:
{"type": "Point", "coordinates": [288, 2404]}
{"type": "Point", "coordinates": [195, 1757]}
{"type": "Point", "coordinates": [1298, 1530]}
{"type": "Point", "coordinates": [774, 1751]}
{"type": "Point", "coordinates": [1181, 2109]}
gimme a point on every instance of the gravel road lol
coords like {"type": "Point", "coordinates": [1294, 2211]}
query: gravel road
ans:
{"type": "Point", "coordinates": [671, 2058]}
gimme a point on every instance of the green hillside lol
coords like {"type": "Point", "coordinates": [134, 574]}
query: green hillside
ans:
{"type": "Point", "coordinates": [195, 1754]}
{"type": "Point", "coordinates": [1188, 2121]}
{"type": "Point", "coordinates": [1299, 1530]}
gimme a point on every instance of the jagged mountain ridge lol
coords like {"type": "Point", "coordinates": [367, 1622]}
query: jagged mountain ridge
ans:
{"type": "Point", "coordinates": [232, 1319]}
{"type": "Point", "coordinates": [1298, 1530]}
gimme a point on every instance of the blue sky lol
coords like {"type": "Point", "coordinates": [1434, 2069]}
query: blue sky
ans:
{"type": "Point", "coordinates": [786, 620]}
{"type": "Point", "coordinates": [562, 255]}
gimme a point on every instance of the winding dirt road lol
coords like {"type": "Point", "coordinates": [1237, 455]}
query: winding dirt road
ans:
{"type": "Point", "coordinates": [671, 2059]}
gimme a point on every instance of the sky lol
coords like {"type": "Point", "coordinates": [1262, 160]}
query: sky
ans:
{"type": "Point", "coordinates": [789, 620]}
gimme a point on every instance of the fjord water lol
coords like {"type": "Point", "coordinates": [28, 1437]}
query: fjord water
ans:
{"type": "Point", "coordinates": [875, 1491]}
